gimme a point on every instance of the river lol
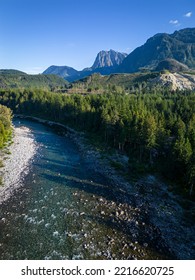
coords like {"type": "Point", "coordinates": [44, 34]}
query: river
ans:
{"type": "Point", "coordinates": [65, 210]}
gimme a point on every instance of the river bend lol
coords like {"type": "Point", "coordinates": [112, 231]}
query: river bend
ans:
{"type": "Point", "coordinates": [65, 210]}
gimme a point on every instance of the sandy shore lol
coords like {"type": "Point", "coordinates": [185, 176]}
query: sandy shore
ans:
{"type": "Point", "coordinates": [17, 162]}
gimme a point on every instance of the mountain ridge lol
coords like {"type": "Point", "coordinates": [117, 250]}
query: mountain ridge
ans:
{"type": "Point", "coordinates": [179, 46]}
{"type": "Point", "coordinates": [10, 78]}
{"type": "Point", "coordinates": [174, 51]}
{"type": "Point", "coordinates": [106, 62]}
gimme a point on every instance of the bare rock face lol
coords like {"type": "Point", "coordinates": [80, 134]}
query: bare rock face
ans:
{"type": "Point", "coordinates": [108, 59]}
{"type": "Point", "coordinates": [175, 81]}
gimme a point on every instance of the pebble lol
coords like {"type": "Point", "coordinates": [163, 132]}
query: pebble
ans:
{"type": "Point", "coordinates": [21, 153]}
{"type": "Point", "coordinates": [55, 233]}
{"type": "Point", "coordinates": [121, 213]}
{"type": "Point", "coordinates": [82, 213]}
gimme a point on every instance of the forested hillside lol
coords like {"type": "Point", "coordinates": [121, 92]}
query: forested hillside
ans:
{"type": "Point", "coordinates": [179, 46]}
{"type": "Point", "coordinates": [18, 79]}
{"type": "Point", "coordinates": [156, 130]}
{"type": "Point", "coordinates": [5, 124]}
{"type": "Point", "coordinates": [5, 130]}
{"type": "Point", "coordinates": [134, 83]}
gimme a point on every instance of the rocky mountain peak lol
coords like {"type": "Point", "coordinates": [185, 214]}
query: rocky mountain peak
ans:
{"type": "Point", "coordinates": [109, 58]}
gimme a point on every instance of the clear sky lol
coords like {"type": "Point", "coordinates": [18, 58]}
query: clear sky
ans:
{"type": "Point", "coordinates": [35, 34]}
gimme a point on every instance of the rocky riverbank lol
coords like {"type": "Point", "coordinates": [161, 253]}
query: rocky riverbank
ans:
{"type": "Point", "coordinates": [93, 157]}
{"type": "Point", "coordinates": [16, 161]}
{"type": "Point", "coordinates": [169, 215]}
{"type": "Point", "coordinates": [165, 219]}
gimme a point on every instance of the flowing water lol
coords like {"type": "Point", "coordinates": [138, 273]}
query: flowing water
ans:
{"type": "Point", "coordinates": [65, 210]}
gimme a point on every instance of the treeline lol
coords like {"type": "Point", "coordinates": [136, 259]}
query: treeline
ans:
{"type": "Point", "coordinates": [157, 131]}
{"type": "Point", "coordinates": [5, 124]}
{"type": "Point", "coordinates": [17, 79]}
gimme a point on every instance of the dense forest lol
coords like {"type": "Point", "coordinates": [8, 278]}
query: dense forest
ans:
{"type": "Point", "coordinates": [5, 130]}
{"type": "Point", "coordinates": [17, 79]}
{"type": "Point", "coordinates": [5, 124]}
{"type": "Point", "coordinates": [156, 130]}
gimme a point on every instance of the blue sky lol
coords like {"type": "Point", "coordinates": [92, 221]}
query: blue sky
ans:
{"type": "Point", "coordinates": [35, 34]}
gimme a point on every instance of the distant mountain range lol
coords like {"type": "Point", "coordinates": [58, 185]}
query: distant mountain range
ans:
{"type": "Point", "coordinates": [142, 67]}
{"type": "Point", "coordinates": [174, 52]}
{"type": "Point", "coordinates": [179, 46]}
{"type": "Point", "coordinates": [66, 72]}
{"type": "Point", "coordinates": [106, 62]}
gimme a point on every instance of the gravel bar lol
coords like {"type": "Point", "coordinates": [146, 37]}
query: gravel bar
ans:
{"type": "Point", "coordinates": [17, 162]}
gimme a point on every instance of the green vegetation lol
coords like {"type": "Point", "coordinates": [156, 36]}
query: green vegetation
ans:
{"type": "Point", "coordinates": [140, 82]}
{"type": "Point", "coordinates": [171, 65]}
{"type": "Point", "coordinates": [18, 79]}
{"type": "Point", "coordinates": [121, 83]}
{"type": "Point", "coordinates": [5, 131]}
{"type": "Point", "coordinates": [5, 125]}
{"type": "Point", "coordinates": [156, 130]}
{"type": "Point", "coordinates": [179, 46]}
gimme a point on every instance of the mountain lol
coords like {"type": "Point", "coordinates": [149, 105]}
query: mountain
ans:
{"type": "Point", "coordinates": [11, 72]}
{"type": "Point", "coordinates": [109, 58]}
{"type": "Point", "coordinates": [62, 71]}
{"type": "Point", "coordinates": [179, 46]}
{"type": "Point", "coordinates": [106, 62]}
{"type": "Point", "coordinates": [171, 65]}
{"type": "Point", "coordinates": [17, 79]}
{"type": "Point", "coordinates": [174, 52]}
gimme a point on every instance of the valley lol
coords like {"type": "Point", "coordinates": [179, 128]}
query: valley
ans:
{"type": "Point", "coordinates": [100, 163]}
